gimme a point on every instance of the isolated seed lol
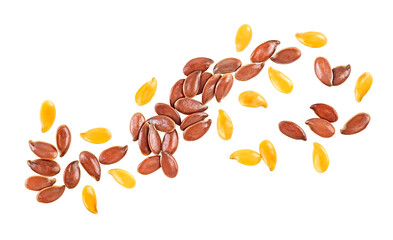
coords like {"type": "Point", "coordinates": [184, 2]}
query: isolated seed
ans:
{"type": "Point", "coordinates": [50, 194]}
{"type": "Point", "coordinates": [204, 77]}
{"type": "Point", "coordinates": [47, 115]}
{"type": "Point", "coordinates": [197, 64]}
{"type": "Point", "coordinates": [97, 135]}
{"type": "Point", "coordinates": [167, 110]}
{"type": "Point", "coordinates": [113, 154]}
{"type": "Point", "coordinates": [227, 65]}
{"type": "Point", "coordinates": [191, 84]}
{"type": "Point", "coordinates": [123, 177]}
{"type": "Point", "coordinates": [323, 71]}
{"type": "Point", "coordinates": [320, 158]}
{"type": "Point", "coordinates": [223, 86]}
{"type": "Point", "coordinates": [169, 165]}
{"type": "Point", "coordinates": [162, 123]}
{"type": "Point", "coordinates": [63, 139]}
{"type": "Point", "coordinates": [325, 111]}
{"type": "Point", "coordinates": [44, 167]}
{"type": "Point", "coordinates": [292, 130]}
{"type": "Point", "coordinates": [287, 55]}
{"type": "Point", "coordinates": [89, 199]}
{"type": "Point", "coordinates": [170, 142]}
{"type": "Point", "coordinates": [154, 140]}
{"type": "Point", "coordinates": [243, 37]}
{"type": "Point", "coordinates": [224, 125]}
{"type": "Point", "coordinates": [363, 84]}
{"type": "Point", "coordinates": [280, 81]}
{"type": "Point", "coordinates": [149, 165]}
{"type": "Point", "coordinates": [246, 156]}
{"type": "Point", "coordinates": [193, 118]}
{"type": "Point", "coordinates": [264, 51]}
{"type": "Point", "coordinates": [252, 99]}
{"type": "Point", "coordinates": [176, 92]}
{"type": "Point", "coordinates": [209, 89]}
{"type": "Point", "coordinates": [312, 39]}
{"type": "Point", "coordinates": [146, 92]}
{"type": "Point", "coordinates": [197, 130]}
{"type": "Point", "coordinates": [356, 124]}
{"type": "Point", "coordinates": [321, 127]}
{"type": "Point", "coordinates": [143, 141]}
{"type": "Point", "coordinates": [72, 175]}
{"type": "Point", "coordinates": [341, 74]}
{"type": "Point", "coordinates": [37, 183]}
{"type": "Point", "coordinates": [43, 150]}
{"type": "Point", "coordinates": [90, 163]}
{"type": "Point", "coordinates": [268, 154]}
{"type": "Point", "coordinates": [246, 72]}
{"type": "Point", "coordinates": [137, 120]}
{"type": "Point", "coordinates": [189, 106]}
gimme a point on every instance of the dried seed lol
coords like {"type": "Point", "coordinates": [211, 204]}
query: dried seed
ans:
{"type": "Point", "coordinates": [321, 127]}
{"type": "Point", "coordinates": [320, 158]}
{"type": "Point", "coordinates": [72, 175]}
{"type": "Point", "coordinates": [146, 92]}
{"type": "Point", "coordinates": [356, 124]}
{"type": "Point", "coordinates": [149, 165]}
{"type": "Point", "coordinates": [224, 125]}
{"type": "Point", "coordinates": [227, 65]}
{"type": "Point", "coordinates": [363, 84]}
{"type": "Point", "coordinates": [268, 154]}
{"type": "Point", "coordinates": [209, 89]}
{"type": "Point", "coordinates": [264, 51]}
{"type": "Point", "coordinates": [44, 167]}
{"type": "Point", "coordinates": [50, 194]}
{"type": "Point", "coordinates": [325, 111]}
{"type": "Point", "coordinates": [176, 92]}
{"type": "Point", "coordinates": [143, 141]}
{"type": "Point", "coordinates": [193, 118]}
{"type": "Point", "coordinates": [246, 156]}
{"type": "Point", "coordinates": [189, 106]}
{"type": "Point", "coordinates": [97, 135]}
{"type": "Point", "coordinates": [341, 74]}
{"type": "Point", "coordinates": [43, 150]}
{"type": "Point", "coordinates": [323, 71]}
{"type": "Point", "coordinates": [63, 139]}
{"type": "Point", "coordinates": [89, 199]}
{"type": "Point", "coordinates": [37, 183]}
{"type": "Point", "coordinates": [292, 130]}
{"type": "Point", "coordinates": [162, 123]}
{"type": "Point", "coordinates": [243, 37]}
{"type": "Point", "coordinates": [223, 86]}
{"type": "Point", "coordinates": [197, 64]}
{"type": "Point", "coordinates": [197, 130]}
{"type": "Point", "coordinates": [154, 140]}
{"type": "Point", "coordinates": [113, 154]}
{"type": "Point", "coordinates": [137, 120]}
{"type": "Point", "coordinates": [312, 39]}
{"type": "Point", "coordinates": [167, 110]}
{"type": "Point", "coordinates": [47, 115]}
{"type": "Point", "coordinates": [252, 99]}
{"type": "Point", "coordinates": [191, 84]}
{"type": "Point", "coordinates": [169, 165]}
{"type": "Point", "coordinates": [90, 163]}
{"type": "Point", "coordinates": [246, 72]}
{"type": "Point", "coordinates": [170, 142]}
{"type": "Point", "coordinates": [287, 55]}
{"type": "Point", "coordinates": [123, 177]}
{"type": "Point", "coordinates": [280, 81]}
{"type": "Point", "coordinates": [204, 77]}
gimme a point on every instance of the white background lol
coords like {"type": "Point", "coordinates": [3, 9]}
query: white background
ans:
{"type": "Point", "coordinates": [90, 57]}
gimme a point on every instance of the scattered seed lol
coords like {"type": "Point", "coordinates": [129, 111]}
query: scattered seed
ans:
{"type": "Point", "coordinates": [341, 74]}
{"type": "Point", "coordinates": [162, 123]}
{"type": "Point", "coordinates": [167, 110]}
{"type": "Point", "coordinates": [223, 87]}
{"type": "Point", "coordinates": [356, 124]}
{"type": "Point", "coordinates": [227, 65]}
{"type": "Point", "coordinates": [246, 156]}
{"type": "Point", "coordinates": [323, 71]}
{"type": "Point", "coordinates": [63, 139]}
{"type": "Point", "coordinates": [193, 118]}
{"type": "Point", "coordinates": [72, 175]}
{"type": "Point", "coordinates": [47, 115]}
{"type": "Point", "coordinates": [197, 64]}
{"type": "Point", "coordinates": [50, 194]}
{"type": "Point", "coordinates": [154, 140]}
{"type": "Point", "coordinates": [169, 165]}
{"type": "Point", "coordinates": [363, 84]}
{"type": "Point", "coordinates": [137, 120]}
{"type": "Point", "coordinates": [287, 55]}
{"type": "Point", "coordinates": [143, 141]}
{"type": "Point", "coordinates": [264, 51]}
{"type": "Point", "coordinates": [189, 106]}
{"type": "Point", "coordinates": [321, 127]}
{"type": "Point", "coordinates": [209, 89]}
{"type": "Point", "coordinates": [44, 167]}
{"type": "Point", "coordinates": [149, 165]}
{"type": "Point", "coordinates": [246, 72]}
{"type": "Point", "coordinates": [197, 130]}
{"type": "Point", "coordinates": [292, 130]}
{"type": "Point", "coordinates": [325, 111]}
{"type": "Point", "coordinates": [113, 155]}
{"type": "Point", "coordinates": [91, 165]}
{"type": "Point", "coordinates": [97, 135]}
{"type": "Point", "coordinates": [176, 92]}
{"type": "Point", "coordinates": [145, 93]}
{"type": "Point", "coordinates": [37, 183]}
{"type": "Point", "coordinates": [43, 150]}
{"type": "Point", "coordinates": [191, 84]}
{"type": "Point", "coordinates": [170, 142]}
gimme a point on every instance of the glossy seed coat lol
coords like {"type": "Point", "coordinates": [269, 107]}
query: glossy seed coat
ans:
{"type": "Point", "coordinates": [287, 55]}
{"type": "Point", "coordinates": [243, 37]}
{"type": "Point", "coordinates": [50, 194]}
{"type": "Point", "coordinates": [252, 99]}
{"type": "Point", "coordinates": [89, 199]}
{"type": "Point", "coordinates": [210, 88]}
{"type": "Point", "coordinates": [97, 135]}
{"type": "Point", "coordinates": [37, 183]}
{"type": "Point", "coordinates": [145, 93]}
{"type": "Point", "coordinates": [356, 124]}
{"type": "Point", "coordinates": [44, 167]}
{"type": "Point", "coordinates": [292, 130]}
{"type": "Point", "coordinates": [169, 165]}
{"type": "Point", "coordinates": [63, 139]}
{"type": "Point", "coordinates": [189, 106]}
{"type": "Point", "coordinates": [90, 163]}
{"type": "Point", "coordinates": [170, 142]}
{"type": "Point", "coordinates": [323, 71]}
{"type": "Point", "coordinates": [193, 118]}
{"type": "Point", "coordinates": [137, 120]}
{"type": "Point", "coordinates": [246, 72]}
{"type": "Point", "coordinates": [321, 127]}
{"type": "Point", "coordinates": [143, 139]}
{"type": "Point", "coordinates": [43, 150]}
{"type": "Point", "coordinates": [191, 84]}
{"type": "Point", "coordinates": [224, 125]}
{"type": "Point", "coordinates": [223, 87]}
{"type": "Point", "coordinates": [312, 39]}
{"type": "Point", "coordinates": [113, 154]}
{"type": "Point", "coordinates": [280, 81]}
{"type": "Point", "coordinates": [47, 115]}
{"type": "Point", "coordinates": [264, 51]}
{"type": "Point", "coordinates": [325, 111]}
{"type": "Point", "coordinates": [167, 110]}
{"type": "Point", "coordinates": [246, 156]}
{"type": "Point", "coordinates": [154, 140]}
{"type": "Point", "coordinates": [123, 177]}
{"type": "Point", "coordinates": [162, 123]}
{"type": "Point", "coordinates": [176, 92]}
{"type": "Point", "coordinates": [227, 65]}
{"type": "Point", "coordinates": [341, 74]}
{"type": "Point", "coordinates": [149, 165]}
{"type": "Point", "coordinates": [197, 130]}
{"type": "Point", "coordinates": [268, 154]}
{"type": "Point", "coordinates": [363, 85]}
{"type": "Point", "coordinates": [320, 158]}
{"type": "Point", "coordinates": [197, 64]}
{"type": "Point", "coordinates": [72, 175]}
{"type": "Point", "coordinates": [204, 77]}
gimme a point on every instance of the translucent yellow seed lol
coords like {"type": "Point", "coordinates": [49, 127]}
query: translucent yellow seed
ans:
{"type": "Point", "coordinates": [123, 177]}
{"type": "Point", "coordinates": [146, 92]}
{"type": "Point", "coordinates": [246, 157]}
{"type": "Point", "coordinates": [281, 82]}
{"type": "Point", "coordinates": [268, 153]}
{"type": "Point", "coordinates": [224, 125]}
{"type": "Point", "coordinates": [97, 135]}
{"type": "Point", "coordinates": [243, 37]}
{"type": "Point", "coordinates": [47, 115]}
{"type": "Point", "coordinates": [320, 158]}
{"type": "Point", "coordinates": [312, 39]}
{"type": "Point", "coordinates": [252, 99]}
{"type": "Point", "coordinates": [89, 199]}
{"type": "Point", "coordinates": [363, 85]}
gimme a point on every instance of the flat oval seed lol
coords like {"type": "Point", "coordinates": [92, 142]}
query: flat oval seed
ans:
{"type": "Point", "coordinates": [50, 194]}
{"type": "Point", "coordinates": [204, 77]}
{"type": "Point", "coordinates": [47, 115]}
{"type": "Point", "coordinates": [268, 154]}
{"type": "Point", "coordinates": [63, 139]}
{"type": "Point", "coordinates": [90, 163]}
{"type": "Point", "coordinates": [321, 127]}
{"type": "Point", "coordinates": [44, 167]}
{"type": "Point", "coordinates": [281, 82]}
{"type": "Point", "coordinates": [89, 199]}
{"type": "Point", "coordinates": [72, 175]}
{"type": "Point", "coordinates": [146, 92]}
{"type": "Point", "coordinates": [312, 39]}
{"type": "Point", "coordinates": [356, 124]}
{"type": "Point", "coordinates": [223, 87]}
{"type": "Point", "coordinates": [363, 84]}
{"type": "Point", "coordinates": [320, 158]}
{"type": "Point", "coordinates": [197, 130]}
{"type": "Point", "coordinates": [246, 72]}
{"type": "Point", "coordinates": [123, 177]}
{"type": "Point", "coordinates": [325, 111]}
{"type": "Point", "coordinates": [224, 125]}
{"type": "Point", "coordinates": [264, 51]}
{"type": "Point", "coordinates": [97, 135]}
{"type": "Point", "coordinates": [243, 37]}
{"type": "Point", "coordinates": [176, 92]}
{"type": "Point", "coordinates": [191, 84]}
{"type": "Point", "coordinates": [169, 165]}
{"type": "Point", "coordinates": [37, 183]}
{"type": "Point", "coordinates": [292, 130]}
{"type": "Point", "coordinates": [323, 71]}
{"type": "Point", "coordinates": [189, 106]}
{"type": "Point", "coordinates": [193, 118]}
{"type": "Point", "coordinates": [113, 154]}
{"type": "Point", "coordinates": [170, 142]}
{"type": "Point", "coordinates": [252, 99]}
{"type": "Point", "coordinates": [143, 141]}
{"type": "Point", "coordinates": [137, 120]}
{"type": "Point", "coordinates": [287, 55]}
{"type": "Point", "coordinates": [154, 140]}
{"type": "Point", "coordinates": [43, 150]}
{"type": "Point", "coordinates": [162, 123]}
{"type": "Point", "coordinates": [246, 156]}
{"type": "Point", "coordinates": [341, 74]}
{"type": "Point", "coordinates": [167, 110]}
{"type": "Point", "coordinates": [197, 64]}
{"type": "Point", "coordinates": [209, 89]}
{"type": "Point", "coordinates": [149, 165]}
{"type": "Point", "coordinates": [227, 65]}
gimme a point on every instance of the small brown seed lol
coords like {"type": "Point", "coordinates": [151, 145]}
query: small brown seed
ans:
{"type": "Point", "coordinates": [137, 120]}
{"type": "Point", "coordinates": [323, 71]}
{"type": "Point", "coordinates": [176, 92]}
{"type": "Point", "coordinates": [209, 89]}
{"type": "Point", "coordinates": [37, 183]}
{"type": "Point", "coordinates": [197, 64]}
{"type": "Point", "coordinates": [113, 154]}
{"type": "Point", "coordinates": [149, 165]}
{"type": "Point", "coordinates": [292, 130]}
{"type": "Point", "coordinates": [325, 111]}
{"type": "Point", "coordinates": [162, 123]}
{"type": "Point", "coordinates": [246, 72]}
{"type": "Point", "coordinates": [191, 84]}
{"type": "Point", "coordinates": [197, 130]}
{"type": "Point", "coordinates": [154, 140]}
{"type": "Point", "coordinates": [167, 110]}
{"type": "Point", "coordinates": [287, 55]}
{"type": "Point", "coordinates": [189, 106]}
{"type": "Point", "coordinates": [72, 175]}
{"type": "Point", "coordinates": [90, 163]}
{"type": "Point", "coordinates": [341, 74]}
{"type": "Point", "coordinates": [356, 124]}
{"type": "Point", "coordinates": [321, 127]}
{"type": "Point", "coordinates": [43, 150]}
{"type": "Point", "coordinates": [223, 87]}
{"type": "Point", "coordinates": [170, 142]}
{"type": "Point", "coordinates": [63, 139]}
{"type": "Point", "coordinates": [264, 51]}
{"type": "Point", "coordinates": [143, 141]}
{"type": "Point", "coordinates": [169, 165]}
{"type": "Point", "coordinates": [204, 77]}
{"type": "Point", "coordinates": [227, 65]}
{"type": "Point", "coordinates": [193, 118]}
{"type": "Point", "coordinates": [44, 167]}
{"type": "Point", "coordinates": [50, 194]}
